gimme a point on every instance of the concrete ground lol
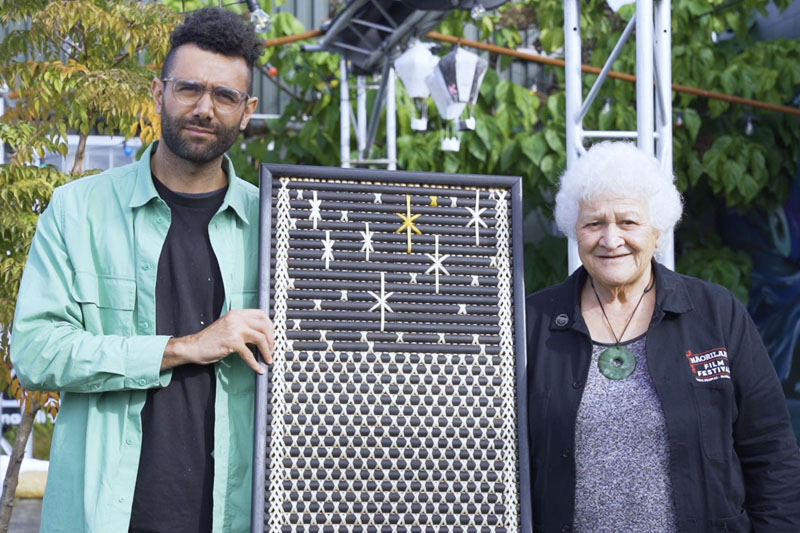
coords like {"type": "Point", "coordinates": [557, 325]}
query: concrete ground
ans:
{"type": "Point", "coordinates": [26, 516]}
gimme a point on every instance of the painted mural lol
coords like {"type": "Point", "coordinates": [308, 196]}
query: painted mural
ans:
{"type": "Point", "coordinates": [773, 242]}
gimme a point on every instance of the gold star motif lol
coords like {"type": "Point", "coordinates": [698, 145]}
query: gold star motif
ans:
{"type": "Point", "coordinates": [408, 222]}
{"type": "Point", "coordinates": [434, 201]}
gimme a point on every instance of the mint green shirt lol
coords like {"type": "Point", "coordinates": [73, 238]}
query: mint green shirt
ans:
{"type": "Point", "coordinates": [85, 325]}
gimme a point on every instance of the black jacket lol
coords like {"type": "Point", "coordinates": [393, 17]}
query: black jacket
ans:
{"type": "Point", "coordinates": [734, 461]}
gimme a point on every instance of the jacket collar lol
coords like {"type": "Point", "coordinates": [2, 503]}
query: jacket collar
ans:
{"type": "Point", "coordinates": [672, 296]}
{"type": "Point", "coordinates": [144, 190]}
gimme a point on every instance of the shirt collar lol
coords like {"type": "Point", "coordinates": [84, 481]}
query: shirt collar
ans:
{"type": "Point", "coordinates": [144, 190]}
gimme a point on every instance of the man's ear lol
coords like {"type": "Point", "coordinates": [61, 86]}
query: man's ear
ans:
{"type": "Point", "coordinates": [249, 108]}
{"type": "Point", "coordinates": [157, 90]}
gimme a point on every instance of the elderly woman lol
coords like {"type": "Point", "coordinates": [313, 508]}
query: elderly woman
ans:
{"type": "Point", "coordinates": [653, 404]}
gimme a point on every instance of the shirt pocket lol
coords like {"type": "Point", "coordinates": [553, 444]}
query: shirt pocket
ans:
{"type": "Point", "coordinates": [714, 404]}
{"type": "Point", "coordinates": [107, 303]}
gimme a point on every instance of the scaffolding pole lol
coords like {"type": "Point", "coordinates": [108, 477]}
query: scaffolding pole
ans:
{"type": "Point", "coordinates": [363, 121]}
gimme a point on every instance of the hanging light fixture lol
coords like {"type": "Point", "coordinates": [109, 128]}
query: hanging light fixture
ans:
{"type": "Point", "coordinates": [455, 83]}
{"type": "Point", "coordinates": [259, 18]}
{"type": "Point", "coordinates": [413, 66]}
{"type": "Point", "coordinates": [748, 126]}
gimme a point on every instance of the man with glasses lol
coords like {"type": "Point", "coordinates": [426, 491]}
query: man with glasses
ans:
{"type": "Point", "coordinates": [138, 304]}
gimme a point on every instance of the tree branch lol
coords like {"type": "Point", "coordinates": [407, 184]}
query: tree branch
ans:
{"type": "Point", "coordinates": [14, 463]}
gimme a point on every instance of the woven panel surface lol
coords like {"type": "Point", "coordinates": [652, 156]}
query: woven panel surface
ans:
{"type": "Point", "coordinates": [392, 402]}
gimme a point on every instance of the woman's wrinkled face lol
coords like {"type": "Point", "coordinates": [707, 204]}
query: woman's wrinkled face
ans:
{"type": "Point", "coordinates": [616, 240]}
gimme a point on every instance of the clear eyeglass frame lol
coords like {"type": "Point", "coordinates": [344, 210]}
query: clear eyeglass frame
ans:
{"type": "Point", "coordinates": [189, 92]}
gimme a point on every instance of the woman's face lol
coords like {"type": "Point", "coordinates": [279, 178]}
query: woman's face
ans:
{"type": "Point", "coordinates": [616, 240]}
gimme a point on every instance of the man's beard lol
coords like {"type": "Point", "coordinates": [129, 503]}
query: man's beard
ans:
{"type": "Point", "coordinates": [196, 152]}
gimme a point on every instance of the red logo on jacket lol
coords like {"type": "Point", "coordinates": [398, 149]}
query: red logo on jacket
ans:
{"type": "Point", "coordinates": [709, 365]}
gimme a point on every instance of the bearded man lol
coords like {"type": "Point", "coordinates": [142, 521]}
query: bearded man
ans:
{"type": "Point", "coordinates": [137, 303]}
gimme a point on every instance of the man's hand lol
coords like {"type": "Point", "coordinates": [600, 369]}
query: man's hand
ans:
{"type": "Point", "coordinates": [230, 333]}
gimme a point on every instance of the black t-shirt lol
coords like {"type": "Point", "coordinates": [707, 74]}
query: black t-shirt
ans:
{"type": "Point", "coordinates": [176, 468]}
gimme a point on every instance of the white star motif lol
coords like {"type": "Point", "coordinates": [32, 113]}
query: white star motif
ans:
{"type": "Point", "coordinates": [399, 336]}
{"type": "Point", "coordinates": [299, 194]}
{"type": "Point", "coordinates": [492, 194]}
{"type": "Point", "coordinates": [382, 301]}
{"type": "Point", "coordinates": [367, 235]}
{"type": "Point", "coordinates": [377, 198]}
{"type": "Point", "coordinates": [475, 281]}
{"type": "Point", "coordinates": [315, 215]}
{"type": "Point", "coordinates": [317, 305]}
{"type": "Point", "coordinates": [296, 325]}
{"type": "Point", "coordinates": [441, 339]}
{"type": "Point", "coordinates": [344, 296]}
{"type": "Point", "coordinates": [344, 216]}
{"type": "Point", "coordinates": [437, 263]}
{"type": "Point", "coordinates": [462, 309]}
{"type": "Point", "coordinates": [364, 336]}
{"type": "Point", "coordinates": [493, 262]}
{"type": "Point", "coordinates": [483, 350]}
{"type": "Point", "coordinates": [330, 345]}
{"type": "Point", "coordinates": [290, 345]}
{"type": "Point", "coordinates": [371, 346]}
{"type": "Point", "coordinates": [327, 246]}
{"type": "Point", "coordinates": [453, 201]}
{"type": "Point", "coordinates": [292, 223]}
{"type": "Point", "coordinates": [476, 217]}
{"type": "Point", "coordinates": [413, 276]}
{"type": "Point", "coordinates": [476, 338]}
{"type": "Point", "coordinates": [323, 335]}
{"type": "Point", "coordinates": [291, 283]}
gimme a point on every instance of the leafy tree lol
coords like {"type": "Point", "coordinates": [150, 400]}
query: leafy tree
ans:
{"type": "Point", "coordinates": [78, 66]}
{"type": "Point", "coordinates": [521, 132]}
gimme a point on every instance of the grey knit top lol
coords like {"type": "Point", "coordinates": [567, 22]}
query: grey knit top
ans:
{"type": "Point", "coordinates": [621, 453]}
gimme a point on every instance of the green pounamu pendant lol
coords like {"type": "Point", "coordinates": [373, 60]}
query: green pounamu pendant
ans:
{"type": "Point", "coordinates": [617, 362]}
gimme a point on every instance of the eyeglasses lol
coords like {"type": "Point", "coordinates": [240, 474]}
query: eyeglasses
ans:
{"type": "Point", "coordinates": [189, 92]}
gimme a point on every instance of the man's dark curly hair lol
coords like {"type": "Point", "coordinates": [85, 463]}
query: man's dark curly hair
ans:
{"type": "Point", "coordinates": [219, 31]}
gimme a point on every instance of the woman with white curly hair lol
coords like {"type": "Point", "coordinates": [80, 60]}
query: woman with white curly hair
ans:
{"type": "Point", "coordinates": [653, 404]}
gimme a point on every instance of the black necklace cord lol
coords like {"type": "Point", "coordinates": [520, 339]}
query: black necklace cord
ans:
{"type": "Point", "coordinates": [647, 289]}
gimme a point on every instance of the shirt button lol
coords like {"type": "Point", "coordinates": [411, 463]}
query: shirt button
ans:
{"type": "Point", "coordinates": [146, 266]}
{"type": "Point", "coordinates": [128, 441]}
{"type": "Point", "coordinates": [145, 325]}
{"type": "Point", "coordinates": [577, 384]}
{"type": "Point", "coordinates": [121, 499]}
{"type": "Point", "coordinates": [160, 220]}
{"type": "Point", "coordinates": [142, 382]}
{"type": "Point", "coordinates": [566, 529]}
{"type": "Point", "coordinates": [561, 320]}
{"type": "Point", "coordinates": [565, 453]}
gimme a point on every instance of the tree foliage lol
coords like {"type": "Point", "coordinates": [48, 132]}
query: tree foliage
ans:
{"type": "Point", "coordinates": [522, 132]}
{"type": "Point", "coordinates": [71, 67]}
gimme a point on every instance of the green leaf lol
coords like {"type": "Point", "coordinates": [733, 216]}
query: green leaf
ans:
{"type": "Point", "coordinates": [692, 121]}
{"type": "Point", "coordinates": [534, 147]}
{"type": "Point", "coordinates": [605, 119]}
{"type": "Point", "coordinates": [548, 164]}
{"type": "Point", "coordinates": [552, 38]}
{"type": "Point", "coordinates": [508, 155]}
{"type": "Point", "coordinates": [554, 140]}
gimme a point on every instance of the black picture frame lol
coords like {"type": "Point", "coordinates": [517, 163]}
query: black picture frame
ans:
{"type": "Point", "coordinates": [513, 185]}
